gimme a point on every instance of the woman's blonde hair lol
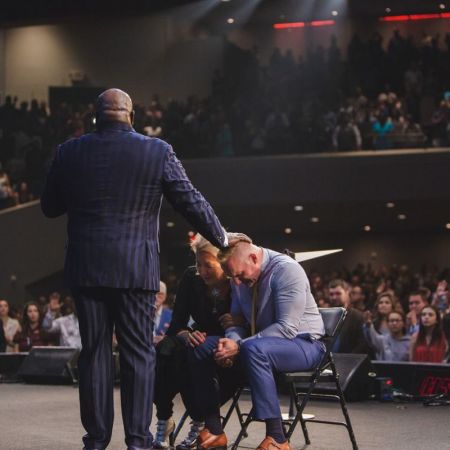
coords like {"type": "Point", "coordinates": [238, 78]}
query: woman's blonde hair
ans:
{"type": "Point", "coordinates": [200, 244]}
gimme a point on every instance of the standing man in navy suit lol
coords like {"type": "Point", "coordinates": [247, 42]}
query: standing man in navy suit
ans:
{"type": "Point", "coordinates": [110, 183]}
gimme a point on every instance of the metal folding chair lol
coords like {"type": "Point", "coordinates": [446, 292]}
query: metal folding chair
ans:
{"type": "Point", "coordinates": [302, 385]}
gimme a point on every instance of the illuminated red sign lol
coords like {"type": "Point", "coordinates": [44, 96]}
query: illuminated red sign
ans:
{"type": "Point", "coordinates": [409, 17]}
{"type": "Point", "coordinates": [434, 385]}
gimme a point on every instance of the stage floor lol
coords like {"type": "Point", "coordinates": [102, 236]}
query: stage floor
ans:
{"type": "Point", "coordinates": [47, 418]}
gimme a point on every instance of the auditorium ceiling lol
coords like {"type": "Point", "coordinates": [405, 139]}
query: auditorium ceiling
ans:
{"type": "Point", "coordinates": [19, 12]}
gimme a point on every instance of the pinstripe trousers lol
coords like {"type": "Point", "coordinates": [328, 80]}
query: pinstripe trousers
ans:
{"type": "Point", "coordinates": [130, 312]}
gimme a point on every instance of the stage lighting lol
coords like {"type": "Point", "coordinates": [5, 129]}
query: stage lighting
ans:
{"type": "Point", "coordinates": [314, 219]}
{"type": "Point", "coordinates": [288, 230]}
{"type": "Point", "coordinates": [367, 228]}
{"type": "Point", "coordinates": [298, 208]}
{"type": "Point", "coordinates": [390, 205]}
{"type": "Point", "coordinates": [401, 216]}
{"type": "Point", "coordinates": [170, 224]}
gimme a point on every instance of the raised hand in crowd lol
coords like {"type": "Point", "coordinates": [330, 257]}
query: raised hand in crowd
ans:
{"type": "Point", "coordinates": [367, 317]}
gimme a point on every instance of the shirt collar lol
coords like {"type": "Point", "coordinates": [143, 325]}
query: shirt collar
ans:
{"type": "Point", "coordinates": [265, 260]}
{"type": "Point", "coordinates": [114, 126]}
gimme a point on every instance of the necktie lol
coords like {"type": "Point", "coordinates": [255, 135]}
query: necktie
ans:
{"type": "Point", "coordinates": [254, 308]}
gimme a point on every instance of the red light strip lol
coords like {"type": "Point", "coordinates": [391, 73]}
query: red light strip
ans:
{"type": "Point", "coordinates": [283, 26]}
{"type": "Point", "coordinates": [314, 23]}
{"type": "Point", "coordinates": [321, 23]}
{"type": "Point", "coordinates": [409, 17]}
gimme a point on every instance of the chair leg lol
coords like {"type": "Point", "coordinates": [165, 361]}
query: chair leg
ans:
{"type": "Point", "coordinates": [344, 407]}
{"type": "Point", "coordinates": [243, 431]}
{"type": "Point", "coordinates": [180, 425]}
{"type": "Point", "coordinates": [299, 415]}
{"type": "Point", "coordinates": [234, 405]}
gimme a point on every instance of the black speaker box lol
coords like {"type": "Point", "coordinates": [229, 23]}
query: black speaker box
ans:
{"type": "Point", "coordinates": [10, 364]}
{"type": "Point", "coordinates": [49, 365]}
{"type": "Point", "coordinates": [356, 377]}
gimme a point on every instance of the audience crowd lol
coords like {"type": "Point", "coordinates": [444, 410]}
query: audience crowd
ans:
{"type": "Point", "coordinates": [393, 314]}
{"type": "Point", "coordinates": [383, 95]}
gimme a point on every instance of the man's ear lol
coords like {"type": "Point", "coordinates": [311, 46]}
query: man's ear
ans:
{"type": "Point", "coordinates": [253, 257]}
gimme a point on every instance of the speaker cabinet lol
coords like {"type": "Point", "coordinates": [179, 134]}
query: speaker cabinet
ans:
{"type": "Point", "coordinates": [49, 365]}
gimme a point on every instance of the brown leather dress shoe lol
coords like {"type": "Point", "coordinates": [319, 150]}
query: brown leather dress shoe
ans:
{"type": "Point", "coordinates": [209, 441]}
{"type": "Point", "coordinates": [269, 443]}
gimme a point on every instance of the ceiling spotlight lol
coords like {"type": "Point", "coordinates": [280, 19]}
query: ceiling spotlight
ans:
{"type": "Point", "coordinates": [314, 219]}
{"type": "Point", "coordinates": [298, 208]}
{"type": "Point", "coordinates": [367, 228]}
{"type": "Point", "coordinates": [288, 230]}
{"type": "Point", "coordinates": [334, 13]}
{"type": "Point", "coordinates": [441, 6]}
{"type": "Point", "coordinates": [447, 225]}
{"type": "Point", "coordinates": [230, 20]}
{"type": "Point", "coordinates": [388, 10]}
{"type": "Point", "coordinates": [401, 216]}
{"type": "Point", "coordinates": [170, 224]}
{"type": "Point", "coordinates": [390, 205]}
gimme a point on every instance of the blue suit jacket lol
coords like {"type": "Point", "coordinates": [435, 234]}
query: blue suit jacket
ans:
{"type": "Point", "coordinates": [285, 306]}
{"type": "Point", "coordinates": [164, 323]}
{"type": "Point", "coordinates": [111, 184]}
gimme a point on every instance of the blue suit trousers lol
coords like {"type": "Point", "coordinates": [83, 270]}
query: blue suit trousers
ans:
{"type": "Point", "coordinates": [130, 312]}
{"type": "Point", "coordinates": [259, 359]}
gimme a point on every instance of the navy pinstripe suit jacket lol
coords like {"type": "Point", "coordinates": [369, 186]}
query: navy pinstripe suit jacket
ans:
{"type": "Point", "coordinates": [110, 183]}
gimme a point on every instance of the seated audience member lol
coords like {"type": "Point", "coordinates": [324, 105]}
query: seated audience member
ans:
{"type": "Point", "coordinates": [429, 343]}
{"type": "Point", "coordinates": [2, 339]}
{"type": "Point", "coordinates": [281, 332]}
{"type": "Point", "coordinates": [358, 298]}
{"type": "Point", "coordinates": [32, 333]}
{"type": "Point", "coordinates": [351, 338]}
{"type": "Point", "coordinates": [10, 326]}
{"type": "Point", "coordinates": [417, 301]}
{"type": "Point", "coordinates": [67, 325]}
{"type": "Point", "coordinates": [204, 295]}
{"type": "Point", "coordinates": [384, 305]}
{"type": "Point", "coordinates": [6, 192]}
{"type": "Point", "coordinates": [391, 346]}
{"type": "Point", "coordinates": [163, 315]}
{"type": "Point", "coordinates": [53, 310]}
{"type": "Point", "coordinates": [441, 297]}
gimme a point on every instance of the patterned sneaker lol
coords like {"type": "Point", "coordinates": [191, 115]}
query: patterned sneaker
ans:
{"type": "Point", "coordinates": [164, 434]}
{"type": "Point", "coordinates": [191, 440]}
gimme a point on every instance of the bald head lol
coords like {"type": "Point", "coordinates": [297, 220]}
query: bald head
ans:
{"type": "Point", "coordinates": [114, 105]}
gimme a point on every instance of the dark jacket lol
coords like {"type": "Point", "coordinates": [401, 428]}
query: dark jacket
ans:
{"type": "Point", "coordinates": [110, 183]}
{"type": "Point", "coordinates": [192, 301]}
{"type": "Point", "coordinates": [351, 337]}
{"type": "Point", "coordinates": [2, 338]}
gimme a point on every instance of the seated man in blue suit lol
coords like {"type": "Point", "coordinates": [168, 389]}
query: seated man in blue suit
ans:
{"type": "Point", "coordinates": [271, 292]}
{"type": "Point", "coordinates": [163, 316]}
{"type": "Point", "coordinates": [111, 183]}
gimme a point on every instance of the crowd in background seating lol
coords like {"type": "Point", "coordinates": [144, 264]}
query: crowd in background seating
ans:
{"type": "Point", "coordinates": [381, 96]}
{"type": "Point", "coordinates": [388, 313]}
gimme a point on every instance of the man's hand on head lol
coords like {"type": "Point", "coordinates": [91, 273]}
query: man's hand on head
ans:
{"type": "Point", "coordinates": [234, 238]}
